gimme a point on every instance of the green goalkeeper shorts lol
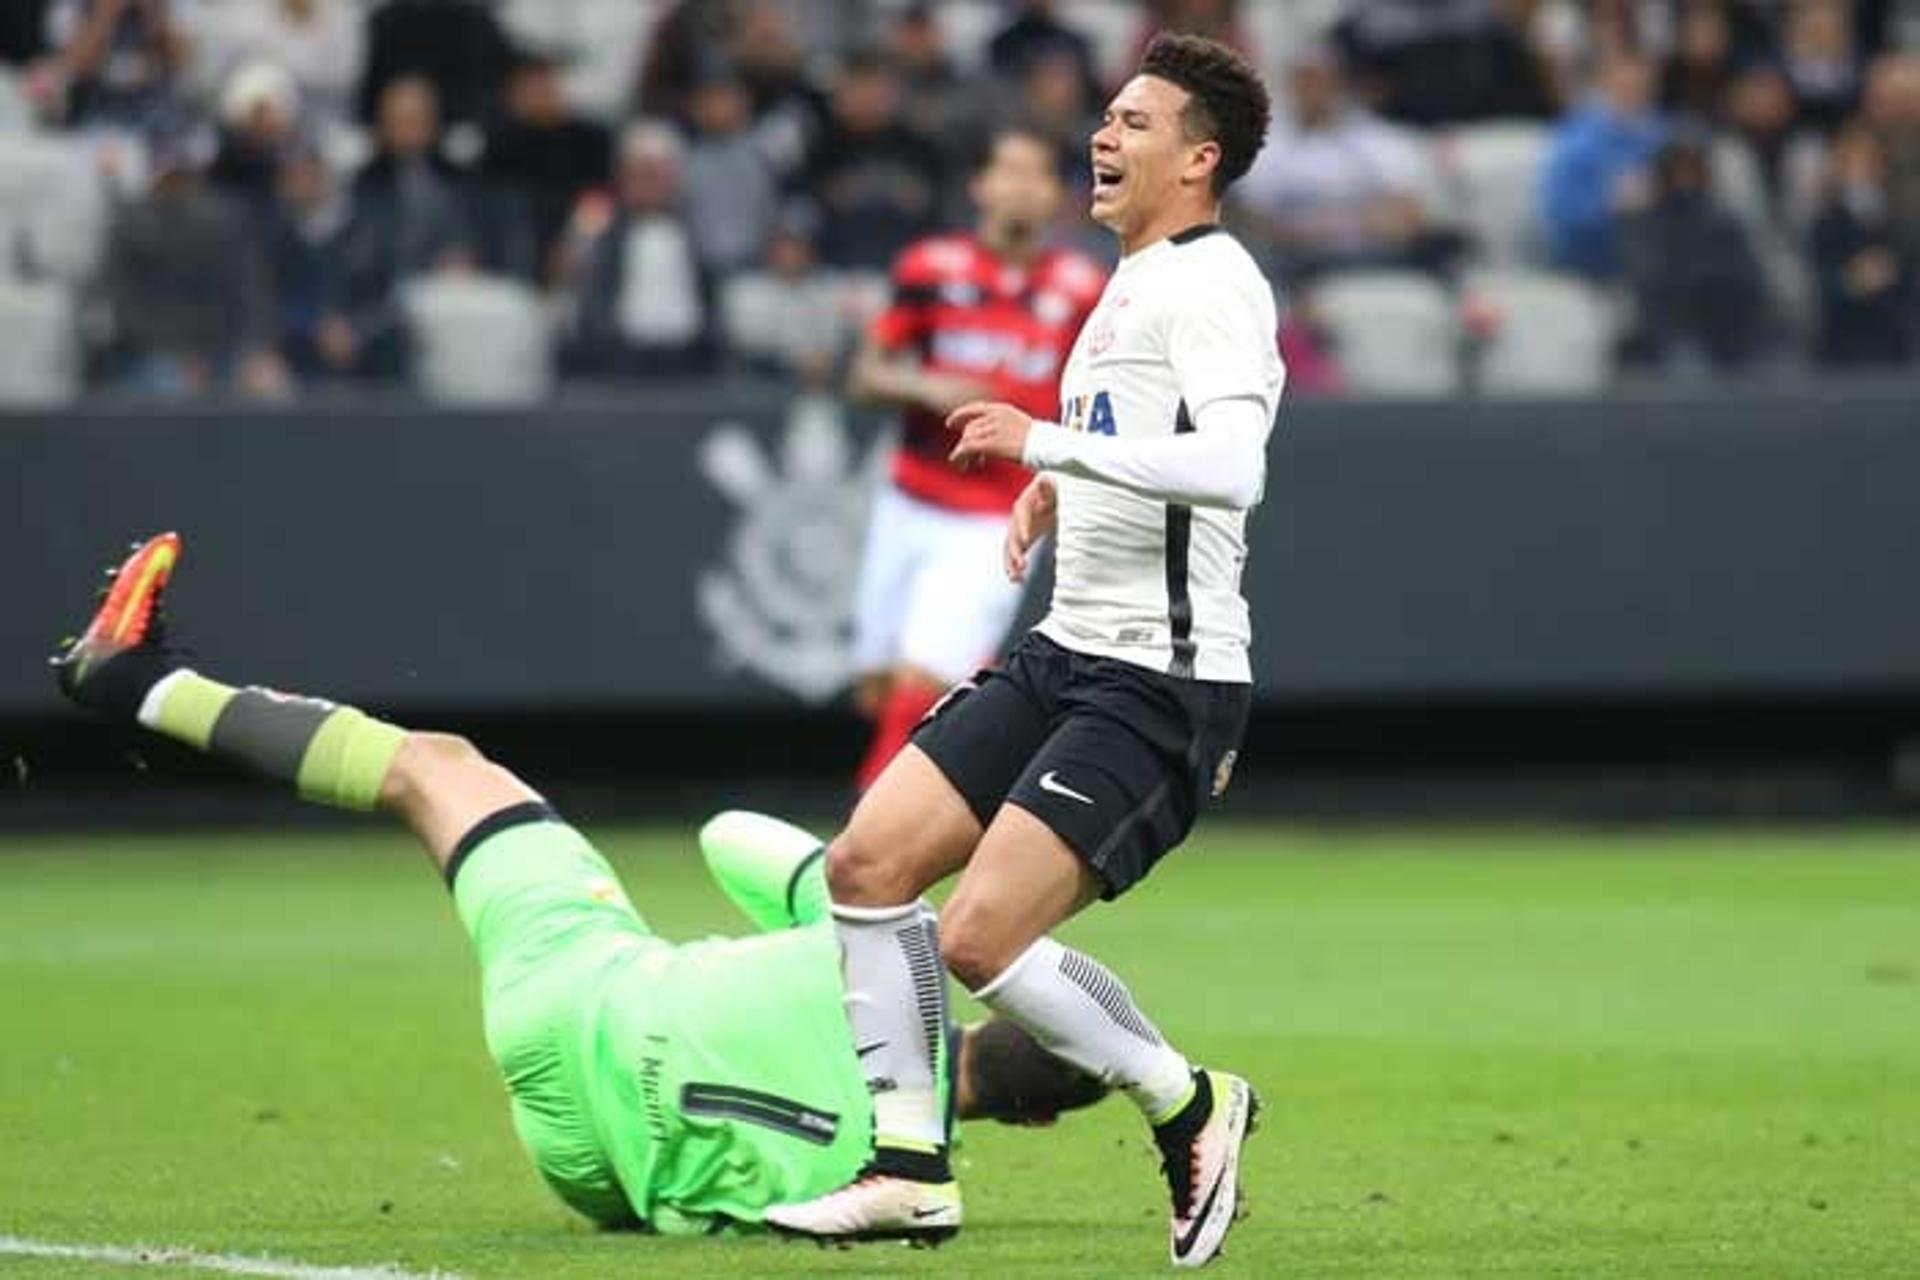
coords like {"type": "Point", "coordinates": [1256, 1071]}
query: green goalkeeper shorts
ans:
{"type": "Point", "coordinates": [550, 922]}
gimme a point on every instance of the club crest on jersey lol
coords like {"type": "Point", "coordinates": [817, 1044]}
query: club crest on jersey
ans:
{"type": "Point", "coordinates": [1105, 326]}
{"type": "Point", "coordinates": [1092, 414]}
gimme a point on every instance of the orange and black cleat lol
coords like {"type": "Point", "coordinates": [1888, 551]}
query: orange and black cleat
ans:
{"type": "Point", "coordinates": [129, 616]}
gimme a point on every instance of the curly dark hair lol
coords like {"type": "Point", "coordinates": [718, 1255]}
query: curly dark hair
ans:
{"type": "Point", "coordinates": [1017, 1081]}
{"type": "Point", "coordinates": [1227, 101]}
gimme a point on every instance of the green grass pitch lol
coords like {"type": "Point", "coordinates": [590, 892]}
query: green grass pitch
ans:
{"type": "Point", "coordinates": [1504, 1053]}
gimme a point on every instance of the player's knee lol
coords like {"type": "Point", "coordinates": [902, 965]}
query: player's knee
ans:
{"type": "Point", "coordinates": [444, 751]}
{"type": "Point", "coordinates": [424, 763]}
{"type": "Point", "coordinates": [861, 874]}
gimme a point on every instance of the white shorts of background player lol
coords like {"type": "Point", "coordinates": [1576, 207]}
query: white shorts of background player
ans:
{"type": "Point", "coordinates": [932, 594]}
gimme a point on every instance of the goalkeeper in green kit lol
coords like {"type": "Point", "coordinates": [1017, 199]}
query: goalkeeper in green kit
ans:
{"type": "Point", "coordinates": [676, 1088]}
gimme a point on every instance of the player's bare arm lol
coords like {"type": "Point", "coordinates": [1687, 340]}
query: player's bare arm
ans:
{"type": "Point", "coordinates": [897, 381]}
{"type": "Point", "coordinates": [1035, 516]}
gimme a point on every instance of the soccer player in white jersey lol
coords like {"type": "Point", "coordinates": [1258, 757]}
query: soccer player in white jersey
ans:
{"type": "Point", "coordinates": [1064, 775]}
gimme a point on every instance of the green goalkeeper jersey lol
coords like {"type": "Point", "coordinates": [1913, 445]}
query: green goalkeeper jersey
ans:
{"type": "Point", "coordinates": [689, 1086]}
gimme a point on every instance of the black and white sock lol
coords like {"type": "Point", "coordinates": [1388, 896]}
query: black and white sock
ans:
{"type": "Point", "coordinates": [1075, 1006]}
{"type": "Point", "coordinates": [896, 1001]}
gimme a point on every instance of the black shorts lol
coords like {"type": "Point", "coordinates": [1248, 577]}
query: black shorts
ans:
{"type": "Point", "coordinates": [1115, 759]}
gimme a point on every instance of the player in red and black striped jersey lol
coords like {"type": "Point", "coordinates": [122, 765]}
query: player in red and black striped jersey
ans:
{"type": "Point", "coordinates": [987, 314]}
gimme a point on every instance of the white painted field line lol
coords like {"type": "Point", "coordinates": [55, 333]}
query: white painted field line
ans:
{"type": "Point", "coordinates": [232, 1264]}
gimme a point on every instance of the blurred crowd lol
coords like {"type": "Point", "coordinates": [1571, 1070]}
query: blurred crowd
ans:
{"type": "Point", "coordinates": [265, 197]}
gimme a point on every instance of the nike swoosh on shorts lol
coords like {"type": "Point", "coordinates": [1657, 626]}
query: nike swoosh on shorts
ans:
{"type": "Point", "coordinates": [1050, 781]}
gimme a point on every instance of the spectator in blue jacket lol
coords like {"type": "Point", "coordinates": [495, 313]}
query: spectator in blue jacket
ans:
{"type": "Point", "coordinates": [1598, 167]}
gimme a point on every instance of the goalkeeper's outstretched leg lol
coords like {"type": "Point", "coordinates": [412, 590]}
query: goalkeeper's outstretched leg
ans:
{"type": "Point", "coordinates": [439, 784]}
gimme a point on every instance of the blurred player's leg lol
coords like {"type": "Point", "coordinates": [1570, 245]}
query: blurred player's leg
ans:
{"type": "Point", "coordinates": [881, 596]}
{"type": "Point", "coordinates": [907, 694]}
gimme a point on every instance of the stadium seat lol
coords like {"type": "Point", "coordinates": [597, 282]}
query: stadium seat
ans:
{"type": "Point", "coordinates": [52, 195]}
{"type": "Point", "coordinates": [1492, 172]}
{"type": "Point", "coordinates": [764, 317]}
{"type": "Point", "coordinates": [40, 359]}
{"type": "Point", "coordinates": [1279, 33]}
{"type": "Point", "coordinates": [16, 116]}
{"type": "Point", "coordinates": [1112, 29]}
{"type": "Point", "coordinates": [603, 43]}
{"type": "Point", "coordinates": [967, 26]}
{"type": "Point", "coordinates": [1546, 334]}
{"type": "Point", "coordinates": [1394, 333]}
{"type": "Point", "coordinates": [478, 340]}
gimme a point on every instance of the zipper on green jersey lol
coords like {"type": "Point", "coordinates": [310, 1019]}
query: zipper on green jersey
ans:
{"type": "Point", "coordinates": [768, 1110]}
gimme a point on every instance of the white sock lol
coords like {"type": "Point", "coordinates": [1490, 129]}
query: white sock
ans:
{"type": "Point", "coordinates": [897, 1006]}
{"type": "Point", "coordinates": [1074, 1006]}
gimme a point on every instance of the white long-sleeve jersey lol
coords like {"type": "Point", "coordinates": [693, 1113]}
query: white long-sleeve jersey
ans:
{"type": "Point", "coordinates": [1167, 402]}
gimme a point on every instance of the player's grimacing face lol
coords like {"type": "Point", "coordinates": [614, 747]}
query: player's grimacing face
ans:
{"type": "Point", "coordinates": [1020, 185]}
{"type": "Point", "coordinates": [1140, 152]}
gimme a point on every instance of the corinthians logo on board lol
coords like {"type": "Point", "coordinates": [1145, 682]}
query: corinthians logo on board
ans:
{"type": "Point", "coordinates": [780, 603]}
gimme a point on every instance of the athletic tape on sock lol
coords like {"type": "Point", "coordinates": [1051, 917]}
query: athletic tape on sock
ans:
{"type": "Point", "coordinates": [348, 759]}
{"type": "Point", "coordinates": [184, 705]}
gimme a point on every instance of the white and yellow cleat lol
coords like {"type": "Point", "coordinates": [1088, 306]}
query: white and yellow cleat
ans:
{"type": "Point", "coordinates": [1203, 1173]}
{"type": "Point", "coordinates": [876, 1206]}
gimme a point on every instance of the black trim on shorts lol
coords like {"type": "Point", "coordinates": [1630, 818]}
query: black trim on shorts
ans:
{"type": "Point", "coordinates": [1198, 231]}
{"type": "Point", "coordinates": [800, 869]}
{"type": "Point", "coordinates": [514, 815]}
{"type": "Point", "coordinates": [1179, 548]}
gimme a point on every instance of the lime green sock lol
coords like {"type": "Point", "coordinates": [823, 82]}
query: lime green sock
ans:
{"type": "Point", "coordinates": [335, 755]}
{"type": "Point", "coordinates": [347, 759]}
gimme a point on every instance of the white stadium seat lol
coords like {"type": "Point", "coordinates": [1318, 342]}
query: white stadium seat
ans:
{"type": "Point", "coordinates": [1492, 172]}
{"type": "Point", "coordinates": [1548, 334]}
{"type": "Point", "coordinates": [603, 43]}
{"type": "Point", "coordinates": [16, 116]}
{"type": "Point", "coordinates": [52, 196]}
{"type": "Point", "coordinates": [769, 318]}
{"type": "Point", "coordinates": [40, 358]}
{"type": "Point", "coordinates": [478, 340]}
{"type": "Point", "coordinates": [1394, 333]}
